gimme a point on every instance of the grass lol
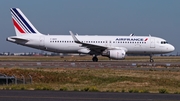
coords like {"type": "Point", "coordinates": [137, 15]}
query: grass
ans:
{"type": "Point", "coordinates": [102, 79]}
{"type": "Point", "coordinates": [94, 79]}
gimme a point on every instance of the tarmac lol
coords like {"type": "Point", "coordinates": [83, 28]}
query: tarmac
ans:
{"type": "Point", "coordinates": [35, 95]}
{"type": "Point", "coordinates": [174, 66]}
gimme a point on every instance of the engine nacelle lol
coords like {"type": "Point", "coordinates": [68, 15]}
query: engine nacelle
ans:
{"type": "Point", "coordinates": [84, 50]}
{"type": "Point", "coordinates": [115, 54]}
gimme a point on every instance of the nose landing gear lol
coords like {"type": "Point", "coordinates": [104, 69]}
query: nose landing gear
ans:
{"type": "Point", "coordinates": [151, 59]}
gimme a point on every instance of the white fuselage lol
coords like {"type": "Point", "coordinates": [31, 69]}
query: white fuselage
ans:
{"type": "Point", "coordinates": [66, 44]}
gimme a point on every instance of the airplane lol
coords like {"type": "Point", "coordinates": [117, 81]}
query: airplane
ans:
{"type": "Point", "coordinates": [114, 47]}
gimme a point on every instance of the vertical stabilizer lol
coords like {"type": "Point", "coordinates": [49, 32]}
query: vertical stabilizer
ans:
{"type": "Point", "coordinates": [21, 24]}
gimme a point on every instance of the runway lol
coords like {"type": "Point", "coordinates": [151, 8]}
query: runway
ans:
{"type": "Point", "coordinates": [108, 64]}
{"type": "Point", "coordinates": [173, 66]}
{"type": "Point", "coordinates": [23, 95]}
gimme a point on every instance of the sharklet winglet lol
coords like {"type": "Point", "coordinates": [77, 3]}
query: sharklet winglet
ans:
{"type": "Point", "coordinates": [74, 37]}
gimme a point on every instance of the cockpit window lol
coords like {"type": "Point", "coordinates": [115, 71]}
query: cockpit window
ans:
{"type": "Point", "coordinates": [164, 42]}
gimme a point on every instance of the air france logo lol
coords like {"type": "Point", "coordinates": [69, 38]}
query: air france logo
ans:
{"type": "Point", "coordinates": [131, 39]}
{"type": "Point", "coordinates": [146, 39]}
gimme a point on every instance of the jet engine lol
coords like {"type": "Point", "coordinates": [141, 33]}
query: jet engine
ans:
{"type": "Point", "coordinates": [115, 54]}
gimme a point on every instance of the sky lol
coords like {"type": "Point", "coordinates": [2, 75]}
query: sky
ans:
{"type": "Point", "coordinates": [159, 18]}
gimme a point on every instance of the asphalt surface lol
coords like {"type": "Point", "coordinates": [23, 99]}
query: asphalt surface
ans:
{"type": "Point", "coordinates": [23, 95]}
{"type": "Point", "coordinates": [90, 64]}
{"type": "Point", "coordinates": [172, 66]}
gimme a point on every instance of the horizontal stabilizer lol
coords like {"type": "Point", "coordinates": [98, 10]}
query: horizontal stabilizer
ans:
{"type": "Point", "coordinates": [15, 38]}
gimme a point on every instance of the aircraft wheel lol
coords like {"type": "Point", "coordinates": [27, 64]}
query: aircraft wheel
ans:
{"type": "Point", "coordinates": [151, 60]}
{"type": "Point", "coordinates": [95, 59]}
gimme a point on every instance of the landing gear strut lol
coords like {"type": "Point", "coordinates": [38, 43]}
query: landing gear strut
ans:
{"type": "Point", "coordinates": [95, 59]}
{"type": "Point", "coordinates": [151, 59]}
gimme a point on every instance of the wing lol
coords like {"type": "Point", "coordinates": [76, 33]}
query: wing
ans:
{"type": "Point", "coordinates": [92, 47]}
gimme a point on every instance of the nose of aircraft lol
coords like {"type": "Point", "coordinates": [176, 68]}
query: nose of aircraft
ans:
{"type": "Point", "coordinates": [171, 48]}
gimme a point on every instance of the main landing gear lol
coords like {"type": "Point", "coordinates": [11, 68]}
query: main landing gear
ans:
{"type": "Point", "coordinates": [95, 59]}
{"type": "Point", "coordinates": [151, 59]}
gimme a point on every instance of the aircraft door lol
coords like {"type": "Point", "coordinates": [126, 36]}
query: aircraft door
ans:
{"type": "Point", "coordinates": [110, 42]}
{"type": "Point", "coordinates": [152, 43]}
{"type": "Point", "coordinates": [41, 41]}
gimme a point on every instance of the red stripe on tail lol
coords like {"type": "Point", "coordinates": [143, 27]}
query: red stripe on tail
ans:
{"type": "Point", "coordinates": [18, 27]}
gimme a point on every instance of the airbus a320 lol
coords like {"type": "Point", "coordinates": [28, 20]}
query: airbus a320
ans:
{"type": "Point", "coordinates": [114, 47]}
